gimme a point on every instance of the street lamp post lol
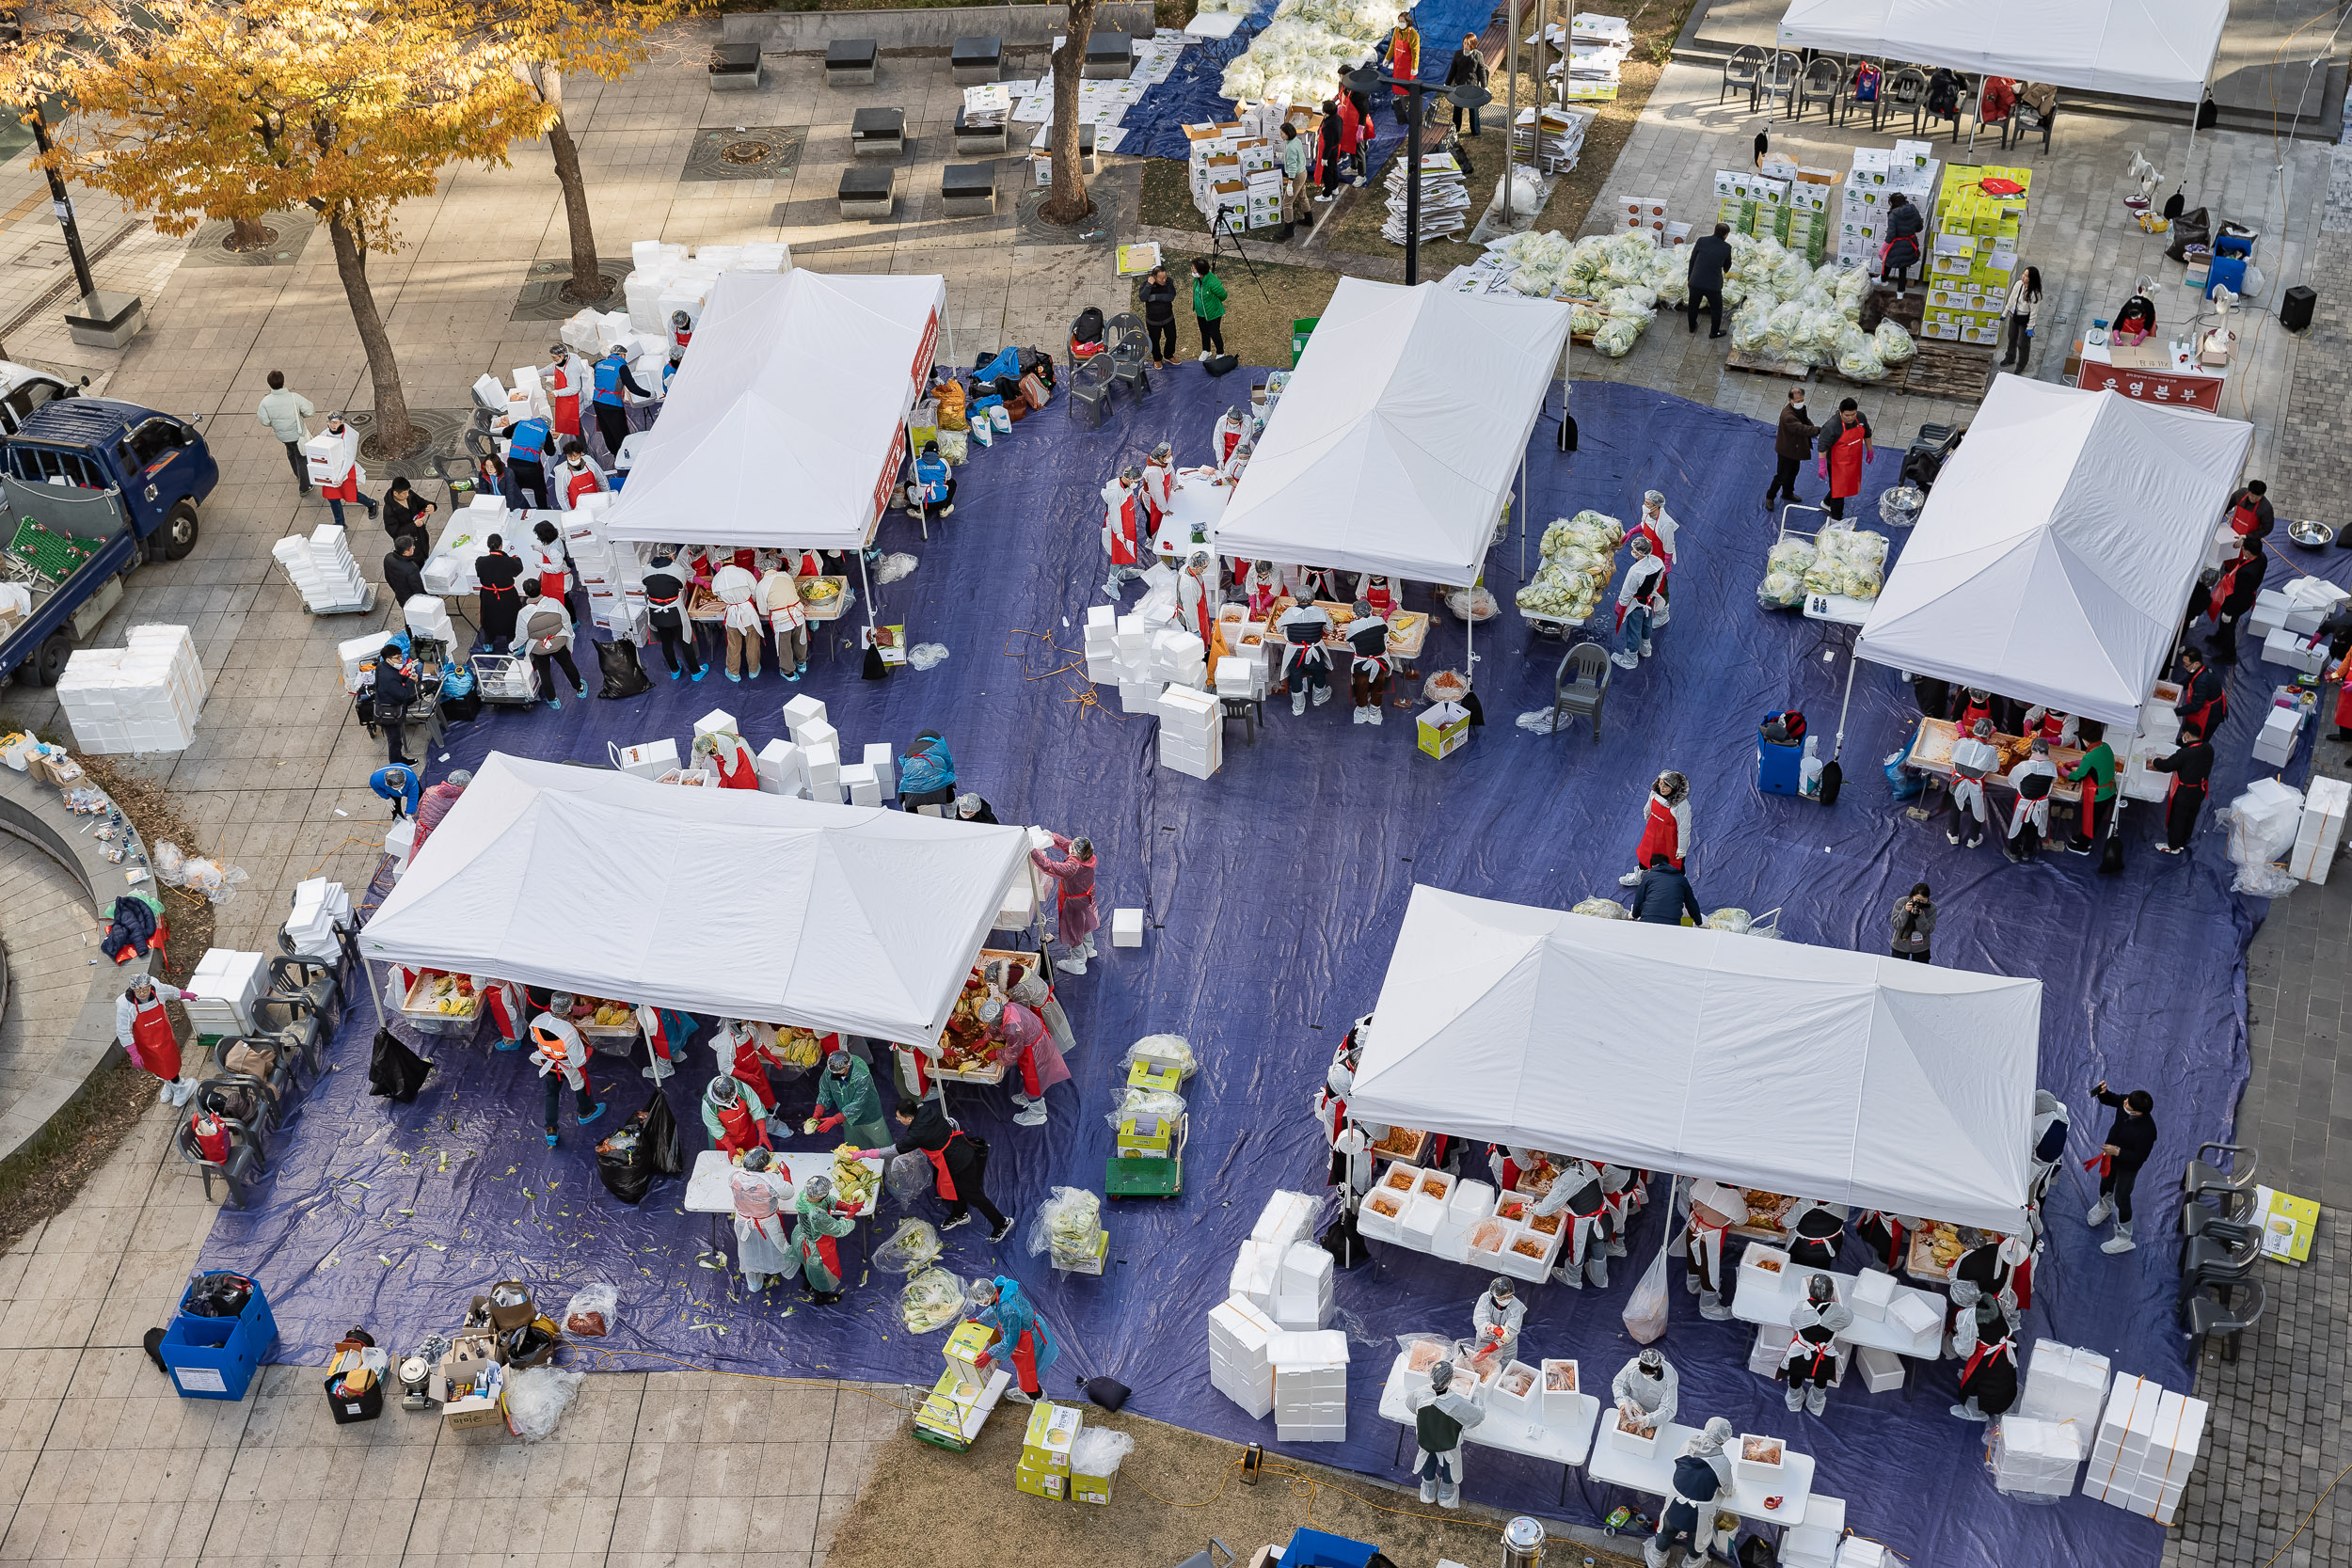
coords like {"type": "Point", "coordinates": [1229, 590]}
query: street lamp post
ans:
{"type": "Point", "coordinates": [1366, 79]}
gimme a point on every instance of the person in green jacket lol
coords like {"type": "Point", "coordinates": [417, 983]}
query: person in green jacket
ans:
{"type": "Point", "coordinates": [1208, 305]}
{"type": "Point", "coordinates": [2097, 764]}
{"type": "Point", "coordinates": [846, 1096]}
{"type": "Point", "coordinates": [813, 1238]}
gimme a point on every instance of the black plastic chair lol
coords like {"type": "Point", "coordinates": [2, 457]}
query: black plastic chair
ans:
{"type": "Point", "coordinates": [2023, 121]}
{"type": "Point", "coordinates": [1823, 83]}
{"type": "Point", "coordinates": [1777, 80]}
{"type": "Point", "coordinates": [1582, 695]}
{"type": "Point", "coordinates": [2217, 1262]}
{"type": "Point", "coordinates": [1739, 72]}
{"type": "Point", "coordinates": [1900, 91]}
{"type": "Point", "coordinates": [2234, 1187]}
{"type": "Point", "coordinates": [238, 1172]}
{"type": "Point", "coordinates": [1090, 391]}
{"type": "Point", "coordinates": [312, 980]}
{"type": "Point", "coordinates": [2198, 1220]}
{"type": "Point", "coordinates": [292, 1024]}
{"type": "Point", "coordinates": [2207, 1315]}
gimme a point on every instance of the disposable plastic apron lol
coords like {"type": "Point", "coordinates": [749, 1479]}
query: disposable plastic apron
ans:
{"type": "Point", "coordinates": [153, 1045]}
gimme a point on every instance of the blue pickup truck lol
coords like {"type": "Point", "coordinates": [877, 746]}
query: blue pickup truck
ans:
{"type": "Point", "coordinates": [90, 488]}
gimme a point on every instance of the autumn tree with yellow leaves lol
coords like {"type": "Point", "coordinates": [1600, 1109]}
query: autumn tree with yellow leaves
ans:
{"type": "Point", "coordinates": [231, 109]}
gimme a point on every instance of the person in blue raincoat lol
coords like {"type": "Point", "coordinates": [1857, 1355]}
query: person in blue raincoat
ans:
{"type": "Point", "coordinates": [927, 774]}
{"type": "Point", "coordinates": [934, 487]}
{"type": "Point", "coordinates": [1028, 1347]}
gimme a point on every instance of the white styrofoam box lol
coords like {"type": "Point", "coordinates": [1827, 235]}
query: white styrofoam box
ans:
{"type": "Point", "coordinates": [865, 789]}
{"type": "Point", "coordinates": [1240, 677]}
{"type": "Point", "coordinates": [1911, 1314]}
{"type": "Point", "coordinates": [1296, 1312]}
{"type": "Point", "coordinates": [2271, 612]}
{"type": "Point", "coordinates": [1187, 708]}
{"type": "Point", "coordinates": [885, 767]}
{"type": "Point", "coordinates": [1256, 1401]}
{"type": "Point", "coordinates": [1202, 770]}
{"type": "Point", "coordinates": [2064, 1383]}
{"type": "Point", "coordinates": [1422, 1219]}
{"type": "Point", "coordinates": [1531, 1403]}
{"type": "Point", "coordinates": [823, 763]}
{"type": "Point", "coordinates": [1882, 1370]}
{"type": "Point", "coordinates": [650, 760]}
{"type": "Point", "coordinates": [1753, 1259]}
{"type": "Point", "coordinates": [1470, 1202]}
{"type": "Point", "coordinates": [1858, 1551]}
{"type": "Point", "coordinates": [1101, 615]}
{"type": "Point", "coordinates": [1140, 697]}
{"type": "Point", "coordinates": [330, 456]}
{"type": "Point", "coordinates": [717, 722]}
{"type": "Point", "coordinates": [1017, 910]}
{"type": "Point", "coordinates": [1126, 927]}
{"type": "Point", "coordinates": [1771, 1344]}
{"type": "Point", "coordinates": [779, 768]}
{"type": "Point", "coordinates": [1814, 1543]}
{"type": "Point", "coordinates": [400, 838]}
{"type": "Point", "coordinates": [803, 710]}
{"type": "Point", "coordinates": [427, 616]}
{"type": "Point", "coordinates": [1376, 1226]}
{"type": "Point", "coordinates": [1620, 1436]}
{"type": "Point", "coordinates": [2321, 832]}
{"type": "Point", "coordinates": [1322, 1350]}
{"type": "Point", "coordinates": [2287, 648]}
{"type": "Point", "coordinates": [1256, 1268]}
{"type": "Point", "coordinates": [1287, 1217]}
{"type": "Point", "coordinates": [1873, 1293]}
{"type": "Point", "coordinates": [1307, 1270]}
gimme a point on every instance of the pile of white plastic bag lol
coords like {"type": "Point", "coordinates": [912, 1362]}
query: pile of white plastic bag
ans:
{"type": "Point", "coordinates": [1785, 307]}
{"type": "Point", "coordinates": [1625, 277]}
{"type": "Point", "coordinates": [1842, 558]}
{"type": "Point", "coordinates": [1299, 56]}
{"type": "Point", "coordinates": [1580, 556]}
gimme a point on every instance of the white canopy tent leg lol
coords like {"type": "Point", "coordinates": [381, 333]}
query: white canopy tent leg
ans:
{"type": "Point", "coordinates": [1522, 506]}
{"type": "Point", "coordinates": [866, 580]}
{"type": "Point", "coordinates": [1853, 658]}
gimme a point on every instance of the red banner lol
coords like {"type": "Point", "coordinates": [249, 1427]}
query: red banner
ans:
{"type": "Point", "coordinates": [889, 474]}
{"type": "Point", "coordinates": [2183, 391]}
{"type": "Point", "coordinates": [921, 372]}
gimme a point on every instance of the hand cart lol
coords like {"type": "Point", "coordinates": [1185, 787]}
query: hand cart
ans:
{"type": "Point", "coordinates": [505, 680]}
{"type": "Point", "coordinates": [1145, 1176]}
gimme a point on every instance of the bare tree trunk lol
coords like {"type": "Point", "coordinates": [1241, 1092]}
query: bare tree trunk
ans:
{"type": "Point", "coordinates": [1067, 203]}
{"type": "Point", "coordinates": [247, 234]}
{"type": "Point", "coordinates": [394, 436]}
{"type": "Point", "coordinates": [588, 285]}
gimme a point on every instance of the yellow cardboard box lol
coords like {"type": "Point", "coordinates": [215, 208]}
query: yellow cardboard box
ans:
{"type": "Point", "coordinates": [1054, 1487]}
{"type": "Point", "coordinates": [1444, 729]}
{"type": "Point", "coordinates": [1091, 1489]}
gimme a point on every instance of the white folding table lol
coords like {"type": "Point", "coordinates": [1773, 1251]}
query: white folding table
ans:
{"type": "Point", "coordinates": [1653, 1475]}
{"type": "Point", "coordinates": [1564, 1440]}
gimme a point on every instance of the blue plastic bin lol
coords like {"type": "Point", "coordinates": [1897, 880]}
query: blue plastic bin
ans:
{"type": "Point", "coordinates": [2225, 272]}
{"type": "Point", "coordinates": [214, 1358]}
{"type": "Point", "coordinates": [1779, 770]}
{"type": "Point", "coordinates": [1314, 1548]}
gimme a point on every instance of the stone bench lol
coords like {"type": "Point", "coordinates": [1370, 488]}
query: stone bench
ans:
{"type": "Point", "coordinates": [1110, 55]}
{"type": "Point", "coordinates": [878, 133]}
{"type": "Point", "coordinates": [867, 192]}
{"type": "Point", "coordinates": [735, 68]}
{"type": "Point", "coordinates": [975, 60]}
{"type": "Point", "coordinates": [851, 62]}
{"type": "Point", "coordinates": [986, 139]}
{"type": "Point", "coordinates": [968, 190]}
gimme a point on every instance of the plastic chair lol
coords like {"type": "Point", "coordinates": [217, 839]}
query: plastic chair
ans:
{"type": "Point", "coordinates": [2198, 1220]}
{"type": "Point", "coordinates": [2207, 1316]}
{"type": "Point", "coordinates": [1250, 710]}
{"type": "Point", "coordinates": [237, 1173]}
{"type": "Point", "coordinates": [1122, 326]}
{"type": "Point", "coordinates": [1777, 79]}
{"type": "Point", "coordinates": [294, 1025]}
{"type": "Point", "coordinates": [312, 980]}
{"type": "Point", "coordinates": [2212, 1261]}
{"type": "Point", "coordinates": [1900, 90]}
{"type": "Point", "coordinates": [1580, 696]}
{"type": "Point", "coordinates": [1739, 72]}
{"type": "Point", "coordinates": [1823, 81]}
{"type": "Point", "coordinates": [1130, 367]}
{"type": "Point", "coordinates": [2023, 121]}
{"type": "Point", "coordinates": [1090, 391]}
{"type": "Point", "coordinates": [2234, 1187]}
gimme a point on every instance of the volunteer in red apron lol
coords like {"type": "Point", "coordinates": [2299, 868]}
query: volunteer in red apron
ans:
{"type": "Point", "coordinates": [1626, 1191]}
{"type": "Point", "coordinates": [1811, 1359]}
{"type": "Point", "coordinates": [779, 594]}
{"type": "Point", "coordinates": [544, 563]}
{"type": "Point", "coordinates": [1261, 581]}
{"type": "Point", "coordinates": [1306, 664]}
{"type": "Point", "coordinates": [2204, 699]}
{"type": "Point", "coordinates": [145, 1032]}
{"type": "Point", "coordinates": [1714, 1210]}
{"type": "Point", "coordinates": [1509, 1163]}
{"type": "Point", "coordinates": [1231, 431]}
{"type": "Point", "coordinates": [2191, 767]}
{"type": "Point", "coordinates": [958, 1164]}
{"type": "Point", "coordinates": [730, 756]}
{"type": "Point", "coordinates": [2229, 598]}
{"type": "Point", "coordinates": [561, 378]}
{"type": "Point", "coordinates": [577, 477]}
{"type": "Point", "coordinates": [1368, 667]}
{"type": "Point", "coordinates": [735, 1116]}
{"type": "Point", "coordinates": [1888, 1237]}
{"type": "Point", "coordinates": [1159, 484]}
{"type": "Point", "coordinates": [2033, 778]}
{"type": "Point", "coordinates": [1657, 525]}
{"type": "Point", "coordinates": [1983, 1338]}
{"type": "Point", "coordinates": [1074, 898]}
{"type": "Point", "coordinates": [1975, 759]}
{"type": "Point", "coordinates": [2058, 729]}
{"type": "Point", "coordinates": [1815, 1231]}
{"type": "Point", "coordinates": [1576, 1193]}
{"type": "Point", "coordinates": [816, 1237]}
{"type": "Point", "coordinates": [760, 1193]}
{"type": "Point", "coordinates": [1972, 707]}
{"type": "Point", "coordinates": [1125, 530]}
{"type": "Point", "coordinates": [1031, 991]}
{"type": "Point", "coordinates": [1196, 599]}
{"type": "Point", "coordinates": [666, 599]}
{"type": "Point", "coordinates": [1665, 825]}
{"type": "Point", "coordinates": [562, 1057]}
{"type": "Point", "coordinates": [1232, 467]}
{"type": "Point", "coordinates": [658, 1045]}
{"type": "Point", "coordinates": [1378, 592]}
{"type": "Point", "coordinates": [1024, 1035]}
{"type": "Point", "coordinates": [1022, 1337]}
{"type": "Point", "coordinates": [681, 329]}
{"type": "Point", "coordinates": [2251, 517]}
{"type": "Point", "coordinates": [2002, 1269]}
{"type": "Point", "coordinates": [503, 1003]}
{"type": "Point", "coordinates": [736, 1044]}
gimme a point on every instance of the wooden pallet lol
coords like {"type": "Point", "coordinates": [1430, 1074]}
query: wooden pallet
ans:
{"type": "Point", "coordinates": [1958, 372]}
{"type": "Point", "coordinates": [1764, 364]}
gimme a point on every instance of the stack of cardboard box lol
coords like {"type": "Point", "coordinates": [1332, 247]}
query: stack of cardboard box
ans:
{"type": "Point", "coordinates": [1045, 1469]}
{"type": "Point", "coordinates": [1973, 255]}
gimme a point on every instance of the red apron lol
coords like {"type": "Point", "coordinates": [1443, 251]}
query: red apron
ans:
{"type": "Point", "coordinates": [551, 583]}
{"type": "Point", "coordinates": [1982, 1354]}
{"type": "Point", "coordinates": [1124, 533]}
{"type": "Point", "coordinates": [1966, 723]}
{"type": "Point", "coordinates": [942, 1184]}
{"type": "Point", "coordinates": [2244, 518]}
{"type": "Point", "coordinates": [1661, 834]}
{"type": "Point", "coordinates": [2221, 588]}
{"type": "Point", "coordinates": [578, 485]}
{"type": "Point", "coordinates": [2344, 705]}
{"type": "Point", "coordinates": [739, 1131]}
{"type": "Point", "coordinates": [824, 1250]}
{"type": "Point", "coordinates": [1381, 600]}
{"type": "Point", "coordinates": [564, 402]}
{"type": "Point", "coordinates": [153, 1045]}
{"type": "Point", "coordinates": [750, 1072]}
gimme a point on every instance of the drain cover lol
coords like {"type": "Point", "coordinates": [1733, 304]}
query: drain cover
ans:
{"type": "Point", "coordinates": [747, 152]}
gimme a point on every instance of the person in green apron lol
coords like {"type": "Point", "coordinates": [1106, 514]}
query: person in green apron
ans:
{"type": "Point", "coordinates": [2096, 773]}
{"type": "Point", "coordinates": [814, 1236]}
{"type": "Point", "coordinates": [1441, 1417]}
{"type": "Point", "coordinates": [846, 1098]}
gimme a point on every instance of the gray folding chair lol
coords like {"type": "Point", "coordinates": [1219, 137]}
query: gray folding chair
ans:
{"type": "Point", "coordinates": [2234, 1187]}
{"type": "Point", "coordinates": [1581, 696]}
{"type": "Point", "coordinates": [1739, 71]}
{"type": "Point", "coordinates": [1090, 391]}
{"type": "Point", "coordinates": [1823, 83]}
{"type": "Point", "coordinates": [1778, 80]}
{"type": "Point", "coordinates": [2207, 1316]}
{"type": "Point", "coordinates": [1900, 92]}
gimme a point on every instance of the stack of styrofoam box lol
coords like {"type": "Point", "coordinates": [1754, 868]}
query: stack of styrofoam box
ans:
{"type": "Point", "coordinates": [820, 748]}
{"type": "Point", "coordinates": [321, 569]}
{"type": "Point", "coordinates": [427, 617]}
{"type": "Point", "coordinates": [219, 996]}
{"type": "Point", "coordinates": [1814, 1543]}
{"type": "Point", "coordinates": [1192, 731]}
{"type": "Point", "coordinates": [357, 657]}
{"type": "Point", "coordinates": [2148, 1442]}
{"type": "Point", "coordinates": [2035, 1457]}
{"type": "Point", "coordinates": [2298, 651]}
{"type": "Point", "coordinates": [400, 842]}
{"type": "Point", "coordinates": [615, 578]}
{"type": "Point", "coordinates": [885, 769]}
{"type": "Point", "coordinates": [863, 787]}
{"type": "Point", "coordinates": [2065, 1382]}
{"type": "Point", "coordinates": [1287, 1218]}
{"type": "Point", "coordinates": [1102, 649]}
{"type": "Point", "coordinates": [1873, 1293]}
{"type": "Point", "coordinates": [2281, 724]}
{"type": "Point", "coordinates": [142, 698]}
{"type": "Point", "coordinates": [1240, 1367]}
{"type": "Point", "coordinates": [1309, 1385]}
{"type": "Point", "coordinates": [331, 455]}
{"type": "Point", "coordinates": [2321, 830]}
{"type": "Point", "coordinates": [1241, 677]}
{"type": "Point", "coordinates": [650, 760]}
{"type": "Point", "coordinates": [663, 280]}
{"type": "Point", "coordinates": [319, 906]}
{"type": "Point", "coordinates": [781, 769]}
{"type": "Point", "coordinates": [1302, 1288]}
{"type": "Point", "coordinates": [1257, 1274]}
{"type": "Point", "coordinates": [1857, 1551]}
{"type": "Point", "coordinates": [1177, 656]}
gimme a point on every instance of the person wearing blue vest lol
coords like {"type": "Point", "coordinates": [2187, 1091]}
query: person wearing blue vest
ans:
{"type": "Point", "coordinates": [527, 462]}
{"type": "Point", "coordinates": [934, 486]}
{"type": "Point", "coordinates": [613, 379]}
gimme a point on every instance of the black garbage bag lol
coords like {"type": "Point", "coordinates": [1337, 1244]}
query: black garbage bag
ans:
{"type": "Point", "coordinates": [2194, 227]}
{"type": "Point", "coordinates": [643, 1147]}
{"type": "Point", "coordinates": [394, 1070]}
{"type": "Point", "coordinates": [669, 1155]}
{"type": "Point", "coordinates": [624, 676]}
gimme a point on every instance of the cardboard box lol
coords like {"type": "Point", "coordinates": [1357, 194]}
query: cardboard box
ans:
{"type": "Point", "coordinates": [1090, 1489]}
{"type": "Point", "coordinates": [468, 1414]}
{"type": "Point", "coordinates": [1444, 729]}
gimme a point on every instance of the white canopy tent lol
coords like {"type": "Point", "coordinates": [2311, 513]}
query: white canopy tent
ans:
{"type": "Point", "coordinates": [1809, 1071]}
{"type": "Point", "coordinates": [786, 424]}
{"type": "Point", "coordinates": [2057, 553]}
{"type": "Point", "coordinates": [2137, 48]}
{"type": "Point", "coordinates": [1399, 435]}
{"type": "Point", "coordinates": [735, 902]}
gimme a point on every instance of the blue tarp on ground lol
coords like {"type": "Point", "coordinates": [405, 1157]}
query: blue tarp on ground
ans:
{"type": "Point", "coordinates": [1272, 896]}
{"type": "Point", "coordinates": [1154, 123]}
